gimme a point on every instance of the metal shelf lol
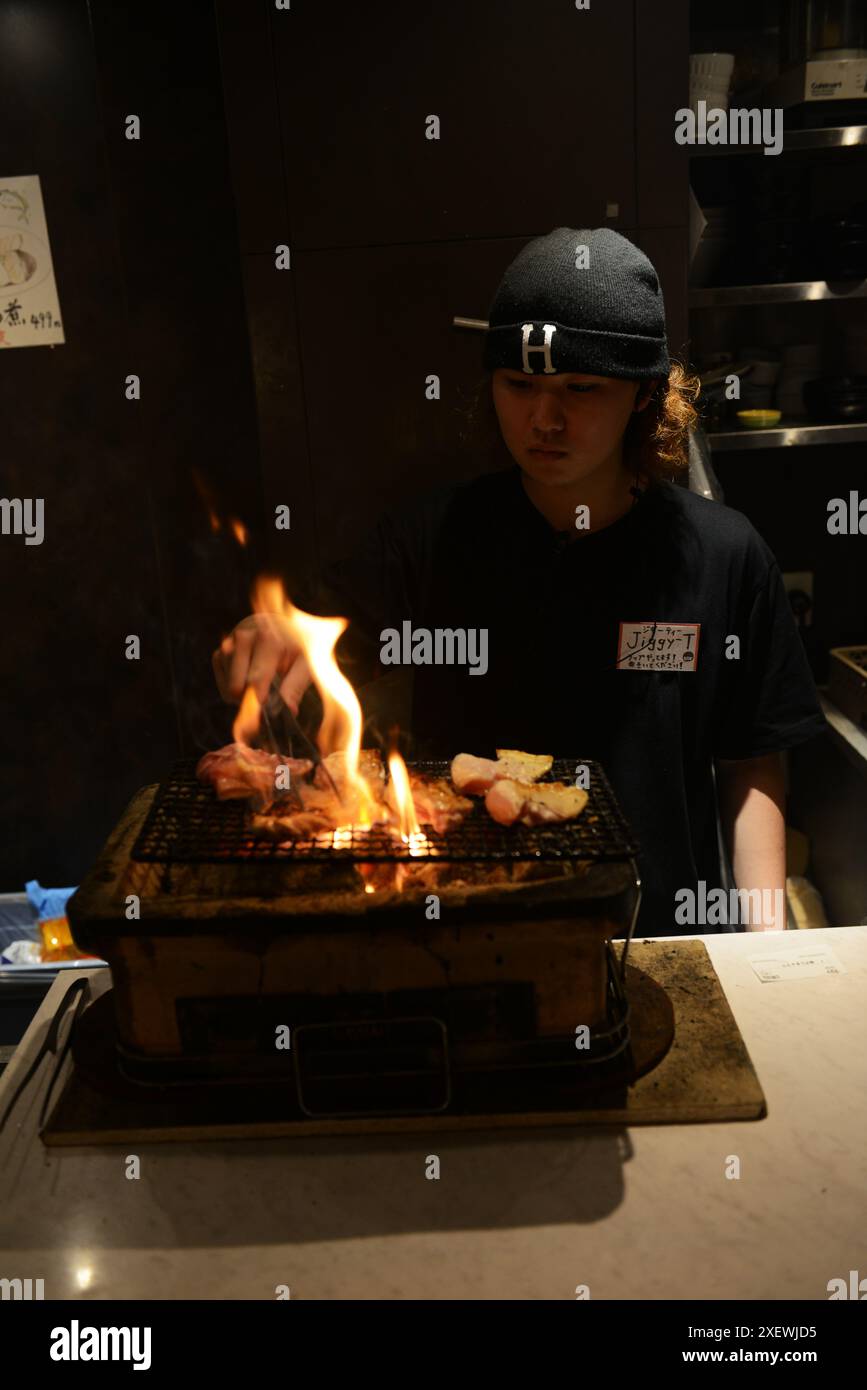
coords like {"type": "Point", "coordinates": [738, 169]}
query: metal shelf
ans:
{"type": "Point", "coordinates": [785, 436]}
{"type": "Point", "coordinates": [851, 740]}
{"type": "Point", "coordinates": [833, 138]}
{"type": "Point", "coordinates": [797, 292]}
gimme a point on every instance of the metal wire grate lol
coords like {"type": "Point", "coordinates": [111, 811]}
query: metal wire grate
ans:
{"type": "Point", "coordinates": [187, 824]}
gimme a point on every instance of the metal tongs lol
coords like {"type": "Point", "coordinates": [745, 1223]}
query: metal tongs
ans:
{"type": "Point", "coordinates": [282, 729]}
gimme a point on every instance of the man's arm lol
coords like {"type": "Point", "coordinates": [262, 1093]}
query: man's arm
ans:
{"type": "Point", "coordinates": [752, 811]}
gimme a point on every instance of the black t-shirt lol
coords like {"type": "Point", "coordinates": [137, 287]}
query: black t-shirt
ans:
{"type": "Point", "coordinates": [565, 677]}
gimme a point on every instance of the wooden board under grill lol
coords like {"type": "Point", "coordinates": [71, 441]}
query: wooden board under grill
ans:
{"type": "Point", "coordinates": [705, 1077]}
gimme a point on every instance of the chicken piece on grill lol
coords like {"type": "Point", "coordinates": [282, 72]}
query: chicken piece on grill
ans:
{"type": "Point", "coordinates": [477, 775]}
{"type": "Point", "coordinates": [531, 803]}
{"type": "Point", "coordinates": [236, 771]}
{"type": "Point", "coordinates": [436, 802]}
{"type": "Point", "coordinates": [370, 766]}
{"type": "Point", "coordinates": [473, 775]}
{"type": "Point", "coordinates": [524, 767]}
{"type": "Point", "coordinates": [290, 825]}
{"type": "Point", "coordinates": [347, 807]}
{"type": "Point", "coordinates": [313, 810]}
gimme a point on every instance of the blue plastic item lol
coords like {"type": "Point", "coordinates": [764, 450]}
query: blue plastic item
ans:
{"type": "Point", "coordinates": [48, 902]}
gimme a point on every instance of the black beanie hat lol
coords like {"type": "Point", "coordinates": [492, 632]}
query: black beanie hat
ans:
{"type": "Point", "coordinates": [579, 301]}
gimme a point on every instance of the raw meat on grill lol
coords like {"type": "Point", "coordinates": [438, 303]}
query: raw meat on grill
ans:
{"type": "Point", "coordinates": [473, 775]}
{"type": "Point", "coordinates": [236, 771]}
{"type": "Point", "coordinates": [316, 808]}
{"type": "Point", "coordinates": [531, 803]}
{"type": "Point", "coordinates": [370, 767]}
{"type": "Point", "coordinates": [477, 775]}
{"type": "Point", "coordinates": [291, 825]}
{"type": "Point", "coordinates": [436, 802]}
{"type": "Point", "coordinates": [331, 800]}
{"type": "Point", "coordinates": [347, 807]}
{"type": "Point", "coordinates": [312, 811]}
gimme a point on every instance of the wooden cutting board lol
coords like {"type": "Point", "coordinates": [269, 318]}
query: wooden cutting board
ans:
{"type": "Point", "coordinates": [706, 1076]}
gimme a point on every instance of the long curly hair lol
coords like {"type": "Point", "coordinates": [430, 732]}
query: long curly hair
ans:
{"type": "Point", "coordinates": [655, 444]}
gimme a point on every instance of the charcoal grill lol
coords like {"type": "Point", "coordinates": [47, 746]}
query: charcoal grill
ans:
{"type": "Point", "coordinates": [396, 1002]}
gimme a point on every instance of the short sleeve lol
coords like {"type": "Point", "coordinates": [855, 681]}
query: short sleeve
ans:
{"type": "Point", "coordinates": [770, 701]}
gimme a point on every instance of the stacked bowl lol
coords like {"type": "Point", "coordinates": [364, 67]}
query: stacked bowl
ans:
{"type": "Point", "coordinates": [710, 76]}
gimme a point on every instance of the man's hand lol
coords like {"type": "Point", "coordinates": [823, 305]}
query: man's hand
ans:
{"type": "Point", "coordinates": [259, 649]}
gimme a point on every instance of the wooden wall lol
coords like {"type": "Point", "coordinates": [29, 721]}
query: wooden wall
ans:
{"type": "Point", "coordinates": [145, 253]}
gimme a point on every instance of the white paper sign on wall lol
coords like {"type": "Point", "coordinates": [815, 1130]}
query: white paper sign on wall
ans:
{"type": "Point", "coordinates": [29, 306]}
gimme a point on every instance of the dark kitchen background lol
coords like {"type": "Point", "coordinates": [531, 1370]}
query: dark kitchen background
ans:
{"type": "Point", "coordinates": [305, 387]}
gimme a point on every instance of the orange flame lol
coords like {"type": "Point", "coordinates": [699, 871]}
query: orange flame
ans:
{"type": "Point", "coordinates": [340, 732]}
{"type": "Point", "coordinates": [248, 718]}
{"type": "Point", "coordinates": [341, 727]}
{"type": "Point", "coordinates": [410, 831]}
{"type": "Point", "coordinates": [207, 497]}
{"type": "Point", "coordinates": [209, 501]}
{"type": "Point", "coordinates": [403, 796]}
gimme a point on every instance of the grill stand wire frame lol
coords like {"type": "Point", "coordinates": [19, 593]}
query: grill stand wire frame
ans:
{"type": "Point", "coordinates": [635, 911]}
{"type": "Point", "coordinates": [618, 1030]}
{"type": "Point", "coordinates": [445, 1076]}
{"type": "Point", "coordinates": [616, 1034]}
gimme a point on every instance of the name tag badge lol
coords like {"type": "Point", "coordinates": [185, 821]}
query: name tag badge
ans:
{"type": "Point", "coordinates": [658, 646]}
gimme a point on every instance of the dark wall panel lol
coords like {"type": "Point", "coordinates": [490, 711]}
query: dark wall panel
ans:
{"type": "Point", "coordinates": [536, 104]}
{"type": "Point", "coordinates": [145, 253]}
{"type": "Point", "coordinates": [253, 123]}
{"type": "Point", "coordinates": [82, 726]}
{"type": "Point", "coordinates": [176, 222]}
{"type": "Point", "coordinates": [661, 89]}
{"type": "Point", "coordinates": [283, 430]}
{"type": "Point", "coordinates": [374, 435]}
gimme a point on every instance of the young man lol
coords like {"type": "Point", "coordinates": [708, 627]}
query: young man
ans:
{"type": "Point", "coordinates": [626, 619]}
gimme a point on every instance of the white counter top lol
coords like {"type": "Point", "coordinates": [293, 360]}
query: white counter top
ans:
{"type": "Point", "coordinates": [643, 1213]}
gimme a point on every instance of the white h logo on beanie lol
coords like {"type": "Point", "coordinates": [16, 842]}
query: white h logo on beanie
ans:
{"type": "Point", "coordinates": [526, 330]}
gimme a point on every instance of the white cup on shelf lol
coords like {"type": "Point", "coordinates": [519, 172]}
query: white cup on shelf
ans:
{"type": "Point", "coordinates": [713, 69]}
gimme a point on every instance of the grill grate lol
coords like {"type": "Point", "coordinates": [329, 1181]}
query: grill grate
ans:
{"type": "Point", "coordinates": [187, 824]}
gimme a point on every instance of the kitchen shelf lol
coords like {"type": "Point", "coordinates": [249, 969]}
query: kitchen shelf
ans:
{"type": "Point", "coordinates": [786, 435]}
{"type": "Point", "coordinates": [851, 740]}
{"type": "Point", "coordinates": [796, 292]}
{"type": "Point", "coordinates": [833, 138]}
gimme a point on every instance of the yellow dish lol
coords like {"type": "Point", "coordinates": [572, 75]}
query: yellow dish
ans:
{"type": "Point", "coordinates": [759, 419]}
